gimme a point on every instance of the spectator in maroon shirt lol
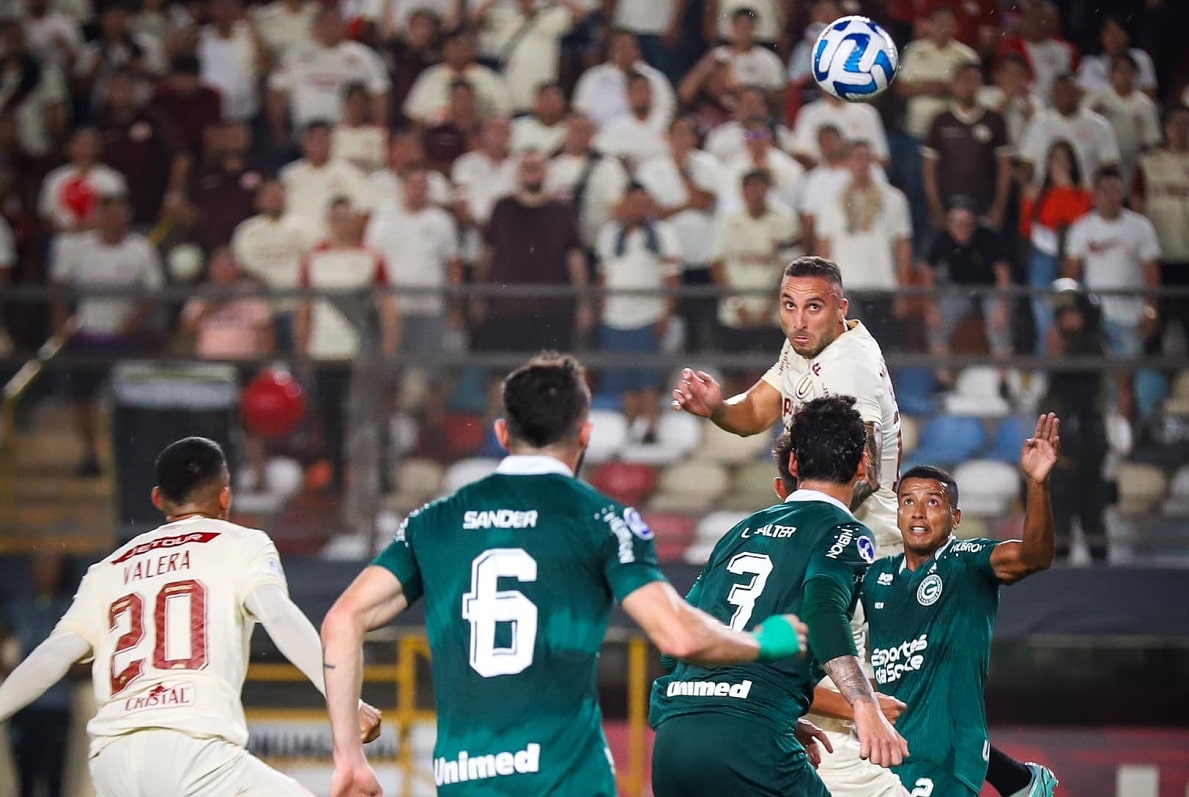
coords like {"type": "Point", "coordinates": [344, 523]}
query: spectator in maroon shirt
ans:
{"type": "Point", "coordinates": [532, 240]}
{"type": "Point", "coordinates": [458, 133]}
{"type": "Point", "coordinates": [414, 49]}
{"type": "Point", "coordinates": [141, 144]}
{"type": "Point", "coordinates": [224, 193]}
{"type": "Point", "coordinates": [188, 104]}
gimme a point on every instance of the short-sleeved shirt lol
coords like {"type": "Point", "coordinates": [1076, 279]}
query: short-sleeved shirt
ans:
{"type": "Point", "coordinates": [1136, 122]}
{"type": "Point", "coordinates": [334, 326]}
{"type": "Point", "coordinates": [417, 247]}
{"type": "Point", "coordinates": [971, 263]}
{"type": "Point", "coordinates": [855, 120]}
{"type": "Point", "coordinates": [758, 569]}
{"type": "Point", "coordinates": [1163, 181]}
{"type": "Point", "coordinates": [429, 98]}
{"type": "Point", "coordinates": [967, 148]}
{"type": "Point", "coordinates": [164, 615]}
{"type": "Point", "coordinates": [930, 632]}
{"type": "Point", "coordinates": [519, 571]}
{"type": "Point", "coordinates": [85, 260]}
{"type": "Point", "coordinates": [636, 259]}
{"type": "Point", "coordinates": [752, 251]}
{"type": "Point", "coordinates": [1113, 253]}
{"type": "Point", "coordinates": [866, 257]}
{"type": "Point", "coordinates": [314, 76]}
{"type": "Point", "coordinates": [530, 246]}
{"type": "Point", "coordinates": [1092, 137]}
{"type": "Point", "coordinates": [852, 365]}
{"type": "Point", "coordinates": [662, 176]}
{"type": "Point", "coordinates": [924, 61]}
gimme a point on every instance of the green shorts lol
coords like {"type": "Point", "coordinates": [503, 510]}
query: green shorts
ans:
{"type": "Point", "coordinates": [718, 754]}
{"type": "Point", "coordinates": [929, 779]}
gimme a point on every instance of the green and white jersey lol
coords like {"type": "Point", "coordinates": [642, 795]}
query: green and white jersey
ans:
{"type": "Point", "coordinates": [758, 569]}
{"type": "Point", "coordinates": [519, 571]}
{"type": "Point", "coordinates": [930, 647]}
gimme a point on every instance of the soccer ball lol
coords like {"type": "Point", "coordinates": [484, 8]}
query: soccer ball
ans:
{"type": "Point", "coordinates": [854, 59]}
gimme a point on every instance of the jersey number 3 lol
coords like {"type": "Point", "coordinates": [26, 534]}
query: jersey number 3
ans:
{"type": "Point", "coordinates": [169, 608]}
{"type": "Point", "coordinates": [486, 607]}
{"type": "Point", "coordinates": [744, 596]}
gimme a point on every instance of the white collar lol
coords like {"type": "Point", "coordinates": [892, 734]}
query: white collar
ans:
{"type": "Point", "coordinates": [532, 465]}
{"type": "Point", "coordinates": [944, 545]}
{"type": "Point", "coordinates": [816, 495]}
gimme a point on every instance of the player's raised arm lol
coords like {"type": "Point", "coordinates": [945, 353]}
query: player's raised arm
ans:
{"type": "Point", "coordinates": [45, 666]}
{"type": "Point", "coordinates": [685, 632]}
{"type": "Point", "coordinates": [748, 413]}
{"type": "Point", "coordinates": [373, 600]}
{"type": "Point", "coordinates": [1016, 559]}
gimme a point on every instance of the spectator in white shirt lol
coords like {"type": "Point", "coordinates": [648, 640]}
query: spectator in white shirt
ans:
{"type": "Point", "coordinates": [419, 244]}
{"type": "Point", "coordinates": [312, 182]}
{"type": "Point", "coordinates": [785, 174]}
{"type": "Point", "coordinates": [636, 136]}
{"type": "Point", "coordinates": [405, 153]}
{"type": "Point", "coordinates": [481, 178]}
{"type": "Point", "coordinates": [429, 98]}
{"type": "Point", "coordinates": [1113, 248]}
{"type": "Point", "coordinates": [1094, 71]}
{"type": "Point", "coordinates": [826, 180]}
{"type": "Point", "coordinates": [270, 247]}
{"type": "Point", "coordinates": [233, 57]}
{"type": "Point", "coordinates": [857, 121]}
{"type": "Point", "coordinates": [528, 36]}
{"type": "Point", "coordinates": [926, 67]}
{"type": "Point", "coordinates": [309, 84]}
{"type": "Point", "coordinates": [106, 258]}
{"type": "Point", "coordinates": [770, 15]}
{"type": "Point", "coordinates": [821, 14]}
{"type": "Point", "coordinates": [657, 26]}
{"type": "Point", "coordinates": [751, 64]}
{"type": "Point", "coordinates": [357, 139]}
{"type": "Point", "coordinates": [1092, 136]}
{"type": "Point", "coordinates": [1011, 95]}
{"type": "Point", "coordinates": [684, 185]}
{"type": "Point", "coordinates": [637, 252]}
{"type": "Point", "coordinates": [116, 46]}
{"type": "Point", "coordinates": [54, 37]}
{"type": "Point", "coordinates": [1039, 41]}
{"type": "Point", "coordinates": [1132, 114]}
{"type": "Point", "coordinates": [726, 141]}
{"type": "Point", "coordinates": [545, 128]}
{"type": "Point", "coordinates": [70, 193]}
{"type": "Point", "coordinates": [602, 91]}
{"type": "Point", "coordinates": [588, 179]}
{"type": "Point", "coordinates": [866, 230]}
{"type": "Point", "coordinates": [285, 25]}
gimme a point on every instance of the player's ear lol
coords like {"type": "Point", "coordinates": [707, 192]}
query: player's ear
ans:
{"type": "Point", "coordinates": [501, 434]}
{"type": "Point", "coordinates": [794, 467]}
{"type": "Point", "coordinates": [225, 498]}
{"type": "Point", "coordinates": [864, 464]}
{"type": "Point", "coordinates": [585, 432]}
{"type": "Point", "coordinates": [156, 496]}
{"type": "Point", "coordinates": [781, 491]}
{"type": "Point", "coordinates": [957, 514]}
{"type": "Point", "coordinates": [843, 306]}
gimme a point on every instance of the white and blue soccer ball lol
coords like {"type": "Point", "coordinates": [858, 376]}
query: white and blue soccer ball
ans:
{"type": "Point", "coordinates": [854, 59]}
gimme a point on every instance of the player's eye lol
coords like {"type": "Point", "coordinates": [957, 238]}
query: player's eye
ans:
{"type": "Point", "coordinates": [815, 307]}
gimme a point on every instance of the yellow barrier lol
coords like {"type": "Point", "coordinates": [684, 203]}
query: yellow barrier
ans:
{"type": "Point", "coordinates": [403, 676]}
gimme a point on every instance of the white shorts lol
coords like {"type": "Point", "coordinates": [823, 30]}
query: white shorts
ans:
{"type": "Point", "coordinates": [161, 763]}
{"type": "Point", "coordinates": [847, 775]}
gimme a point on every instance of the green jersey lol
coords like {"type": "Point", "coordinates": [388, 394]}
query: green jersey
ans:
{"type": "Point", "coordinates": [758, 569]}
{"type": "Point", "coordinates": [519, 571]}
{"type": "Point", "coordinates": [930, 646]}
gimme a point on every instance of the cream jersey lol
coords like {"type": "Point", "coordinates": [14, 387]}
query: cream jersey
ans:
{"type": "Point", "coordinates": [168, 628]}
{"type": "Point", "coordinates": [853, 365]}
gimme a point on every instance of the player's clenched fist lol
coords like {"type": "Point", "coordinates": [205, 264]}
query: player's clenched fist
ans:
{"type": "Point", "coordinates": [355, 779]}
{"type": "Point", "coordinates": [697, 393]}
{"type": "Point", "coordinates": [370, 720]}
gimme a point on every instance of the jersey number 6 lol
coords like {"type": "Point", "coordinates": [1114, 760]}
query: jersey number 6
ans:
{"type": "Point", "coordinates": [486, 606]}
{"type": "Point", "coordinates": [165, 608]}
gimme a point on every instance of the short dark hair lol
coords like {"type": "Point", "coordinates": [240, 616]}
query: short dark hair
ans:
{"type": "Point", "coordinates": [745, 11]}
{"type": "Point", "coordinates": [780, 452]}
{"type": "Point", "coordinates": [1108, 172]}
{"type": "Point", "coordinates": [354, 87]}
{"type": "Point", "coordinates": [1172, 110]}
{"type": "Point", "coordinates": [1125, 57]}
{"type": "Point", "coordinates": [936, 474]}
{"type": "Point", "coordinates": [1014, 58]}
{"type": "Point", "coordinates": [828, 438]}
{"type": "Point", "coordinates": [187, 465]}
{"type": "Point", "coordinates": [756, 175]}
{"type": "Point", "coordinates": [546, 400]}
{"type": "Point", "coordinates": [636, 77]}
{"type": "Point", "coordinates": [186, 64]}
{"type": "Point", "coordinates": [315, 125]}
{"type": "Point", "coordinates": [814, 266]}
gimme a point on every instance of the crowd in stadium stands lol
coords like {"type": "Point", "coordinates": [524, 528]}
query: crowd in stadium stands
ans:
{"type": "Point", "coordinates": [633, 144]}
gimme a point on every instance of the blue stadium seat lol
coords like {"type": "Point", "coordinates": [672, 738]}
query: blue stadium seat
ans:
{"type": "Point", "coordinates": [914, 390]}
{"type": "Point", "coordinates": [1009, 439]}
{"type": "Point", "coordinates": [948, 440]}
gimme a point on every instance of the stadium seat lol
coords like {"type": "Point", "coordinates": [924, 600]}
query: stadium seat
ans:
{"type": "Point", "coordinates": [418, 477]}
{"type": "Point", "coordinates": [910, 434]}
{"type": "Point", "coordinates": [751, 487]}
{"type": "Point", "coordinates": [1177, 402]}
{"type": "Point", "coordinates": [677, 434]}
{"type": "Point", "coordinates": [947, 440]}
{"type": "Point", "coordinates": [608, 436]}
{"type": "Point", "coordinates": [722, 446]}
{"type": "Point", "coordinates": [1009, 438]}
{"type": "Point", "coordinates": [628, 482]}
{"type": "Point", "coordinates": [403, 432]}
{"type": "Point", "coordinates": [283, 476]}
{"type": "Point", "coordinates": [1151, 391]}
{"type": "Point", "coordinates": [691, 486]}
{"type": "Point", "coordinates": [709, 531]}
{"type": "Point", "coordinates": [465, 433]}
{"type": "Point", "coordinates": [987, 487]}
{"type": "Point", "coordinates": [1177, 504]}
{"type": "Point", "coordinates": [972, 526]}
{"type": "Point", "coordinates": [1141, 487]}
{"type": "Point", "coordinates": [674, 531]}
{"type": "Point", "coordinates": [976, 393]}
{"type": "Point", "coordinates": [914, 390]}
{"type": "Point", "coordinates": [465, 471]}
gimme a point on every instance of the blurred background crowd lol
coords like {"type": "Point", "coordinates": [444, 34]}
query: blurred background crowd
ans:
{"type": "Point", "coordinates": [385, 197]}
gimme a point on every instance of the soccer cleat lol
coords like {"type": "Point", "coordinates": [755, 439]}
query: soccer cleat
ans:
{"type": "Point", "coordinates": [1043, 784]}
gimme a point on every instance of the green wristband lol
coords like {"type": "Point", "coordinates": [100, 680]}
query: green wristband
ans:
{"type": "Point", "coordinates": [778, 639]}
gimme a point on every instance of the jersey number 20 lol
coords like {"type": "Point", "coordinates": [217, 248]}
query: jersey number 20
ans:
{"type": "Point", "coordinates": [171, 604]}
{"type": "Point", "coordinates": [486, 606]}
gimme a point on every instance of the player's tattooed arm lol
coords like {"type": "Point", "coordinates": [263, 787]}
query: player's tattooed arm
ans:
{"type": "Point", "coordinates": [847, 674]}
{"type": "Point", "coordinates": [867, 487]}
{"type": "Point", "coordinates": [878, 740]}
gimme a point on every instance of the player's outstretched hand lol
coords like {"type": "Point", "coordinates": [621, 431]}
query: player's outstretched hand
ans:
{"type": "Point", "coordinates": [697, 393]}
{"type": "Point", "coordinates": [813, 739]}
{"type": "Point", "coordinates": [355, 780]}
{"type": "Point", "coordinates": [1042, 450]}
{"type": "Point", "coordinates": [370, 720]}
{"type": "Point", "coordinates": [879, 742]}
